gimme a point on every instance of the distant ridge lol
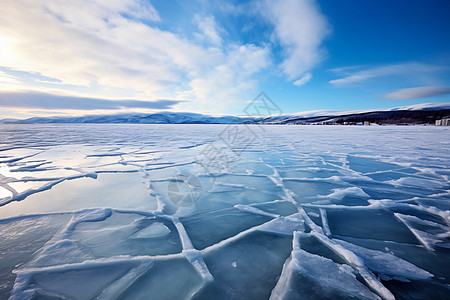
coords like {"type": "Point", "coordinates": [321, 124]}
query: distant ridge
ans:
{"type": "Point", "coordinates": [400, 117]}
{"type": "Point", "coordinates": [135, 118]}
{"type": "Point", "coordinates": [426, 113]}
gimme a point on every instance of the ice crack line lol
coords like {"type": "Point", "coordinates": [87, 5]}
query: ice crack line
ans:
{"type": "Point", "coordinates": [192, 255]}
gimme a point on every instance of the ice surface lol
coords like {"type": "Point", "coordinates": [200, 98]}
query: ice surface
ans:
{"type": "Point", "coordinates": [310, 212]}
{"type": "Point", "coordinates": [284, 225]}
{"type": "Point", "coordinates": [254, 210]}
{"type": "Point", "coordinates": [154, 230]}
{"type": "Point", "coordinates": [210, 228]}
{"type": "Point", "coordinates": [128, 234]}
{"type": "Point", "coordinates": [357, 263]}
{"type": "Point", "coordinates": [324, 218]}
{"type": "Point", "coordinates": [309, 276]}
{"type": "Point", "coordinates": [376, 224]}
{"type": "Point", "coordinates": [20, 238]}
{"type": "Point", "coordinates": [386, 263]}
{"type": "Point", "coordinates": [339, 194]}
{"type": "Point", "coordinates": [246, 267]}
{"type": "Point", "coordinates": [427, 239]}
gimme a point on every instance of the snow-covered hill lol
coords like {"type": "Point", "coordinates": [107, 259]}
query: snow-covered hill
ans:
{"type": "Point", "coordinates": [194, 118]}
{"type": "Point", "coordinates": [157, 118]}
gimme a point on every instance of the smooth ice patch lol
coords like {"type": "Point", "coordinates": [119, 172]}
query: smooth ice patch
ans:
{"type": "Point", "coordinates": [154, 230]}
{"type": "Point", "coordinates": [4, 193]}
{"type": "Point", "coordinates": [108, 190]}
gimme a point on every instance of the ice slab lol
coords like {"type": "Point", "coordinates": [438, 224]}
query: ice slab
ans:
{"type": "Point", "coordinates": [278, 207]}
{"type": "Point", "coordinates": [238, 271]}
{"type": "Point", "coordinates": [368, 164]}
{"type": "Point", "coordinates": [340, 193]}
{"type": "Point", "coordinates": [309, 276]}
{"type": "Point", "coordinates": [20, 238]}
{"type": "Point", "coordinates": [362, 224]}
{"type": "Point", "coordinates": [128, 234]}
{"type": "Point", "coordinates": [210, 228]}
{"type": "Point", "coordinates": [156, 229]}
{"type": "Point", "coordinates": [284, 225]}
{"type": "Point", "coordinates": [76, 284]}
{"type": "Point", "coordinates": [310, 189]}
{"type": "Point", "coordinates": [415, 254]}
{"type": "Point", "coordinates": [428, 233]}
{"type": "Point", "coordinates": [386, 263]}
{"type": "Point", "coordinates": [4, 193]}
{"type": "Point", "coordinates": [167, 279]}
{"type": "Point", "coordinates": [357, 264]}
{"type": "Point", "coordinates": [108, 190]}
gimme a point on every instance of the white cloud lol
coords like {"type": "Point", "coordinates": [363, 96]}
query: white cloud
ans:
{"type": "Point", "coordinates": [300, 28]}
{"type": "Point", "coordinates": [7, 79]}
{"type": "Point", "coordinates": [117, 50]}
{"type": "Point", "coordinates": [353, 75]}
{"type": "Point", "coordinates": [419, 92]}
{"type": "Point", "coordinates": [106, 45]}
{"type": "Point", "coordinates": [86, 43]}
{"type": "Point", "coordinates": [209, 30]}
{"type": "Point", "coordinates": [303, 80]}
{"type": "Point", "coordinates": [225, 85]}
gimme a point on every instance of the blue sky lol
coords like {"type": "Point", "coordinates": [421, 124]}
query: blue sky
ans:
{"type": "Point", "coordinates": [64, 57]}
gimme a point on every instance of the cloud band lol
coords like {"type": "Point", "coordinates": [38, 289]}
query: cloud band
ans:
{"type": "Point", "coordinates": [418, 92]}
{"type": "Point", "coordinates": [54, 102]}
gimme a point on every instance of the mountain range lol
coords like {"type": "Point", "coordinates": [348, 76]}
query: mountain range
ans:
{"type": "Point", "coordinates": [426, 113]}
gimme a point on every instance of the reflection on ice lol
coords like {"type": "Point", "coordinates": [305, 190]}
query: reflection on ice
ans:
{"type": "Point", "coordinates": [127, 191]}
{"type": "Point", "coordinates": [303, 212]}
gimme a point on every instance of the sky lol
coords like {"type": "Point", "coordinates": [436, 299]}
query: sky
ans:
{"type": "Point", "coordinates": [76, 57]}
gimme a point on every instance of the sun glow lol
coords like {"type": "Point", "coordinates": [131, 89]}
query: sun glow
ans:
{"type": "Point", "coordinates": [6, 52]}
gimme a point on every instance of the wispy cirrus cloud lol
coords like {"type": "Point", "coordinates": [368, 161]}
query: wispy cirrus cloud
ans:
{"type": "Point", "coordinates": [419, 92]}
{"type": "Point", "coordinates": [303, 80]}
{"type": "Point", "coordinates": [351, 75]}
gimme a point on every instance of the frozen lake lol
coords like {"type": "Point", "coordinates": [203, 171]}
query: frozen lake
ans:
{"type": "Point", "coordinates": [224, 212]}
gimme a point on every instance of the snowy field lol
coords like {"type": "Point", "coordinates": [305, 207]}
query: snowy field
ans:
{"type": "Point", "coordinates": [224, 212]}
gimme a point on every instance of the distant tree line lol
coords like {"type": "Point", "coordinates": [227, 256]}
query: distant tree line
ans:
{"type": "Point", "coordinates": [397, 117]}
